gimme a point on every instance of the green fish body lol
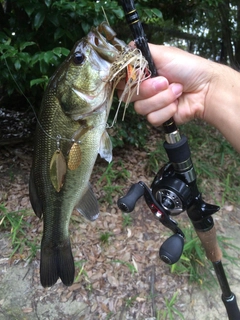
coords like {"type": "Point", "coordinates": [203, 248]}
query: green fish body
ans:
{"type": "Point", "coordinates": [70, 134]}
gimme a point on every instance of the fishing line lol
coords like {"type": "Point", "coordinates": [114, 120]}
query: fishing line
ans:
{"type": "Point", "coordinates": [129, 59]}
{"type": "Point", "coordinates": [105, 16]}
{"type": "Point", "coordinates": [58, 138]}
{"type": "Point", "coordinates": [30, 104]}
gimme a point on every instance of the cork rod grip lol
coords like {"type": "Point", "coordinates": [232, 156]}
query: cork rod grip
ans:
{"type": "Point", "coordinates": [209, 242]}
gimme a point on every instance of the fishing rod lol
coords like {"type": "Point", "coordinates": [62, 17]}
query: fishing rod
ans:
{"type": "Point", "coordinates": [174, 188]}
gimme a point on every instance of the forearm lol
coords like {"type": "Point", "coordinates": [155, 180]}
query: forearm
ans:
{"type": "Point", "coordinates": [222, 108]}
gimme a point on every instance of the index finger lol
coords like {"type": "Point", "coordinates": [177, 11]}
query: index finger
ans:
{"type": "Point", "coordinates": [148, 88]}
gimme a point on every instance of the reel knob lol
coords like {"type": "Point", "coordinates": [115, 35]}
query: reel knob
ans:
{"type": "Point", "coordinates": [171, 250]}
{"type": "Point", "coordinates": [127, 202]}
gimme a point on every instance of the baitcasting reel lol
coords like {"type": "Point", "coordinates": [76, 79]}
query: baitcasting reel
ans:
{"type": "Point", "coordinates": [168, 196]}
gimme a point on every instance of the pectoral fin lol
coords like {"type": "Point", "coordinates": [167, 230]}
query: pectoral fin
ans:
{"type": "Point", "coordinates": [88, 205]}
{"type": "Point", "coordinates": [105, 148]}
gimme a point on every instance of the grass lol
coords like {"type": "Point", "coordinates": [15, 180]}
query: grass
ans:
{"type": "Point", "coordinates": [130, 266]}
{"type": "Point", "coordinates": [126, 219]}
{"type": "Point", "coordinates": [16, 222]}
{"type": "Point", "coordinates": [82, 273]}
{"type": "Point", "coordinates": [129, 302]}
{"type": "Point", "coordinates": [215, 161]}
{"type": "Point", "coordinates": [111, 180]}
{"type": "Point", "coordinates": [105, 237]}
{"type": "Point", "coordinates": [170, 311]}
{"type": "Point", "coordinates": [193, 262]}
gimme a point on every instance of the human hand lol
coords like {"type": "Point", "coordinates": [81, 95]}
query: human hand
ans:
{"type": "Point", "coordinates": [180, 90]}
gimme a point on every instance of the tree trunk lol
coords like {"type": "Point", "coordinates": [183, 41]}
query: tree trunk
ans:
{"type": "Point", "coordinates": [227, 49]}
{"type": "Point", "coordinates": [237, 41]}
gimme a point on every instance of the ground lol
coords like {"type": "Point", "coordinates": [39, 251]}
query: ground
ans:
{"type": "Point", "coordinates": [119, 273]}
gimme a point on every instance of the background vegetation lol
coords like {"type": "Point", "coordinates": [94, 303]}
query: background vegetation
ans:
{"type": "Point", "coordinates": [35, 36]}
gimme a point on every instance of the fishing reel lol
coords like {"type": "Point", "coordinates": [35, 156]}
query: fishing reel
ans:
{"type": "Point", "coordinates": [169, 195]}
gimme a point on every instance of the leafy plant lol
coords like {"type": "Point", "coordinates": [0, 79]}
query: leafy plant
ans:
{"type": "Point", "coordinates": [82, 272]}
{"type": "Point", "coordinates": [225, 244]}
{"type": "Point", "coordinates": [130, 266]}
{"type": "Point", "coordinates": [109, 315]}
{"type": "Point", "coordinates": [170, 312]}
{"type": "Point", "coordinates": [105, 236]}
{"type": "Point", "coordinates": [18, 235]}
{"type": "Point", "coordinates": [193, 262]}
{"type": "Point", "coordinates": [129, 302]}
{"type": "Point", "coordinates": [127, 219]}
{"type": "Point", "coordinates": [133, 129]}
{"type": "Point", "coordinates": [115, 173]}
{"type": "Point", "coordinates": [156, 157]}
{"type": "Point", "coordinates": [37, 35]}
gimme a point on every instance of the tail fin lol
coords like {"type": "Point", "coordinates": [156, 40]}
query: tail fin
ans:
{"type": "Point", "coordinates": [56, 262]}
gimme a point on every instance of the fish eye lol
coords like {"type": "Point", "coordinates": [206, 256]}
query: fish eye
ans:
{"type": "Point", "coordinates": [78, 58]}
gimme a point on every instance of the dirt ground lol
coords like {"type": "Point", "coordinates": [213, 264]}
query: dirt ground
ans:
{"type": "Point", "coordinates": [121, 279]}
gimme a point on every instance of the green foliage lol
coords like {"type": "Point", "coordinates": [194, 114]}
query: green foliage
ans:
{"type": "Point", "coordinates": [156, 158]}
{"type": "Point", "coordinates": [193, 262]}
{"type": "Point", "coordinates": [214, 158]}
{"type": "Point", "coordinates": [105, 237]}
{"type": "Point", "coordinates": [170, 312]}
{"type": "Point", "coordinates": [37, 35]}
{"type": "Point", "coordinates": [14, 220]}
{"type": "Point", "coordinates": [81, 272]}
{"type": "Point", "coordinates": [129, 302]}
{"type": "Point", "coordinates": [127, 219]}
{"type": "Point", "coordinates": [135, 134]}
{"type": "Point", "coordinates": [206, 27]}
{"type": "Point", "coordinates": [130, 266]}
{"type": "Point", "coordinates": [111, 179]}
{"type": "Point", "coordinates": [133, 130]}
{"type": "Point", "coordinates": [149, 14]}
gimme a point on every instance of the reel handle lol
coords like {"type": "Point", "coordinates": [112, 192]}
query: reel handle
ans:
{"type": "Point", "coordinates": [171, 250]}
{"type": "Point", "coordinates": [127, 203]}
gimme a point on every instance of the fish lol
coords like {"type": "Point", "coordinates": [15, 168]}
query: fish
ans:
{"type": "Point", "coordinates": [70, 133]}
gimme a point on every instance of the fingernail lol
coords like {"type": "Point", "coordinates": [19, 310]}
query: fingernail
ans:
{"type": "Point", "coordinates": [177, 89]}
{"type": "Point", "coordinates": [160, 84]}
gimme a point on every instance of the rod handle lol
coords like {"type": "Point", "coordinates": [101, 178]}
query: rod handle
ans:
{"type": "Point", "coordinates": [210, 244]}
{"type": "Point", "coordinates": [231, 307]}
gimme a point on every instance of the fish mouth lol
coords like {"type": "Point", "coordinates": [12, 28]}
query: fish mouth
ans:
{"type": "Point", "coordinates": [104, 49]}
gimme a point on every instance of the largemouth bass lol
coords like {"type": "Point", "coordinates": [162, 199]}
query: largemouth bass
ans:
{"type": "Point", "coordinates": [70, 133]}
